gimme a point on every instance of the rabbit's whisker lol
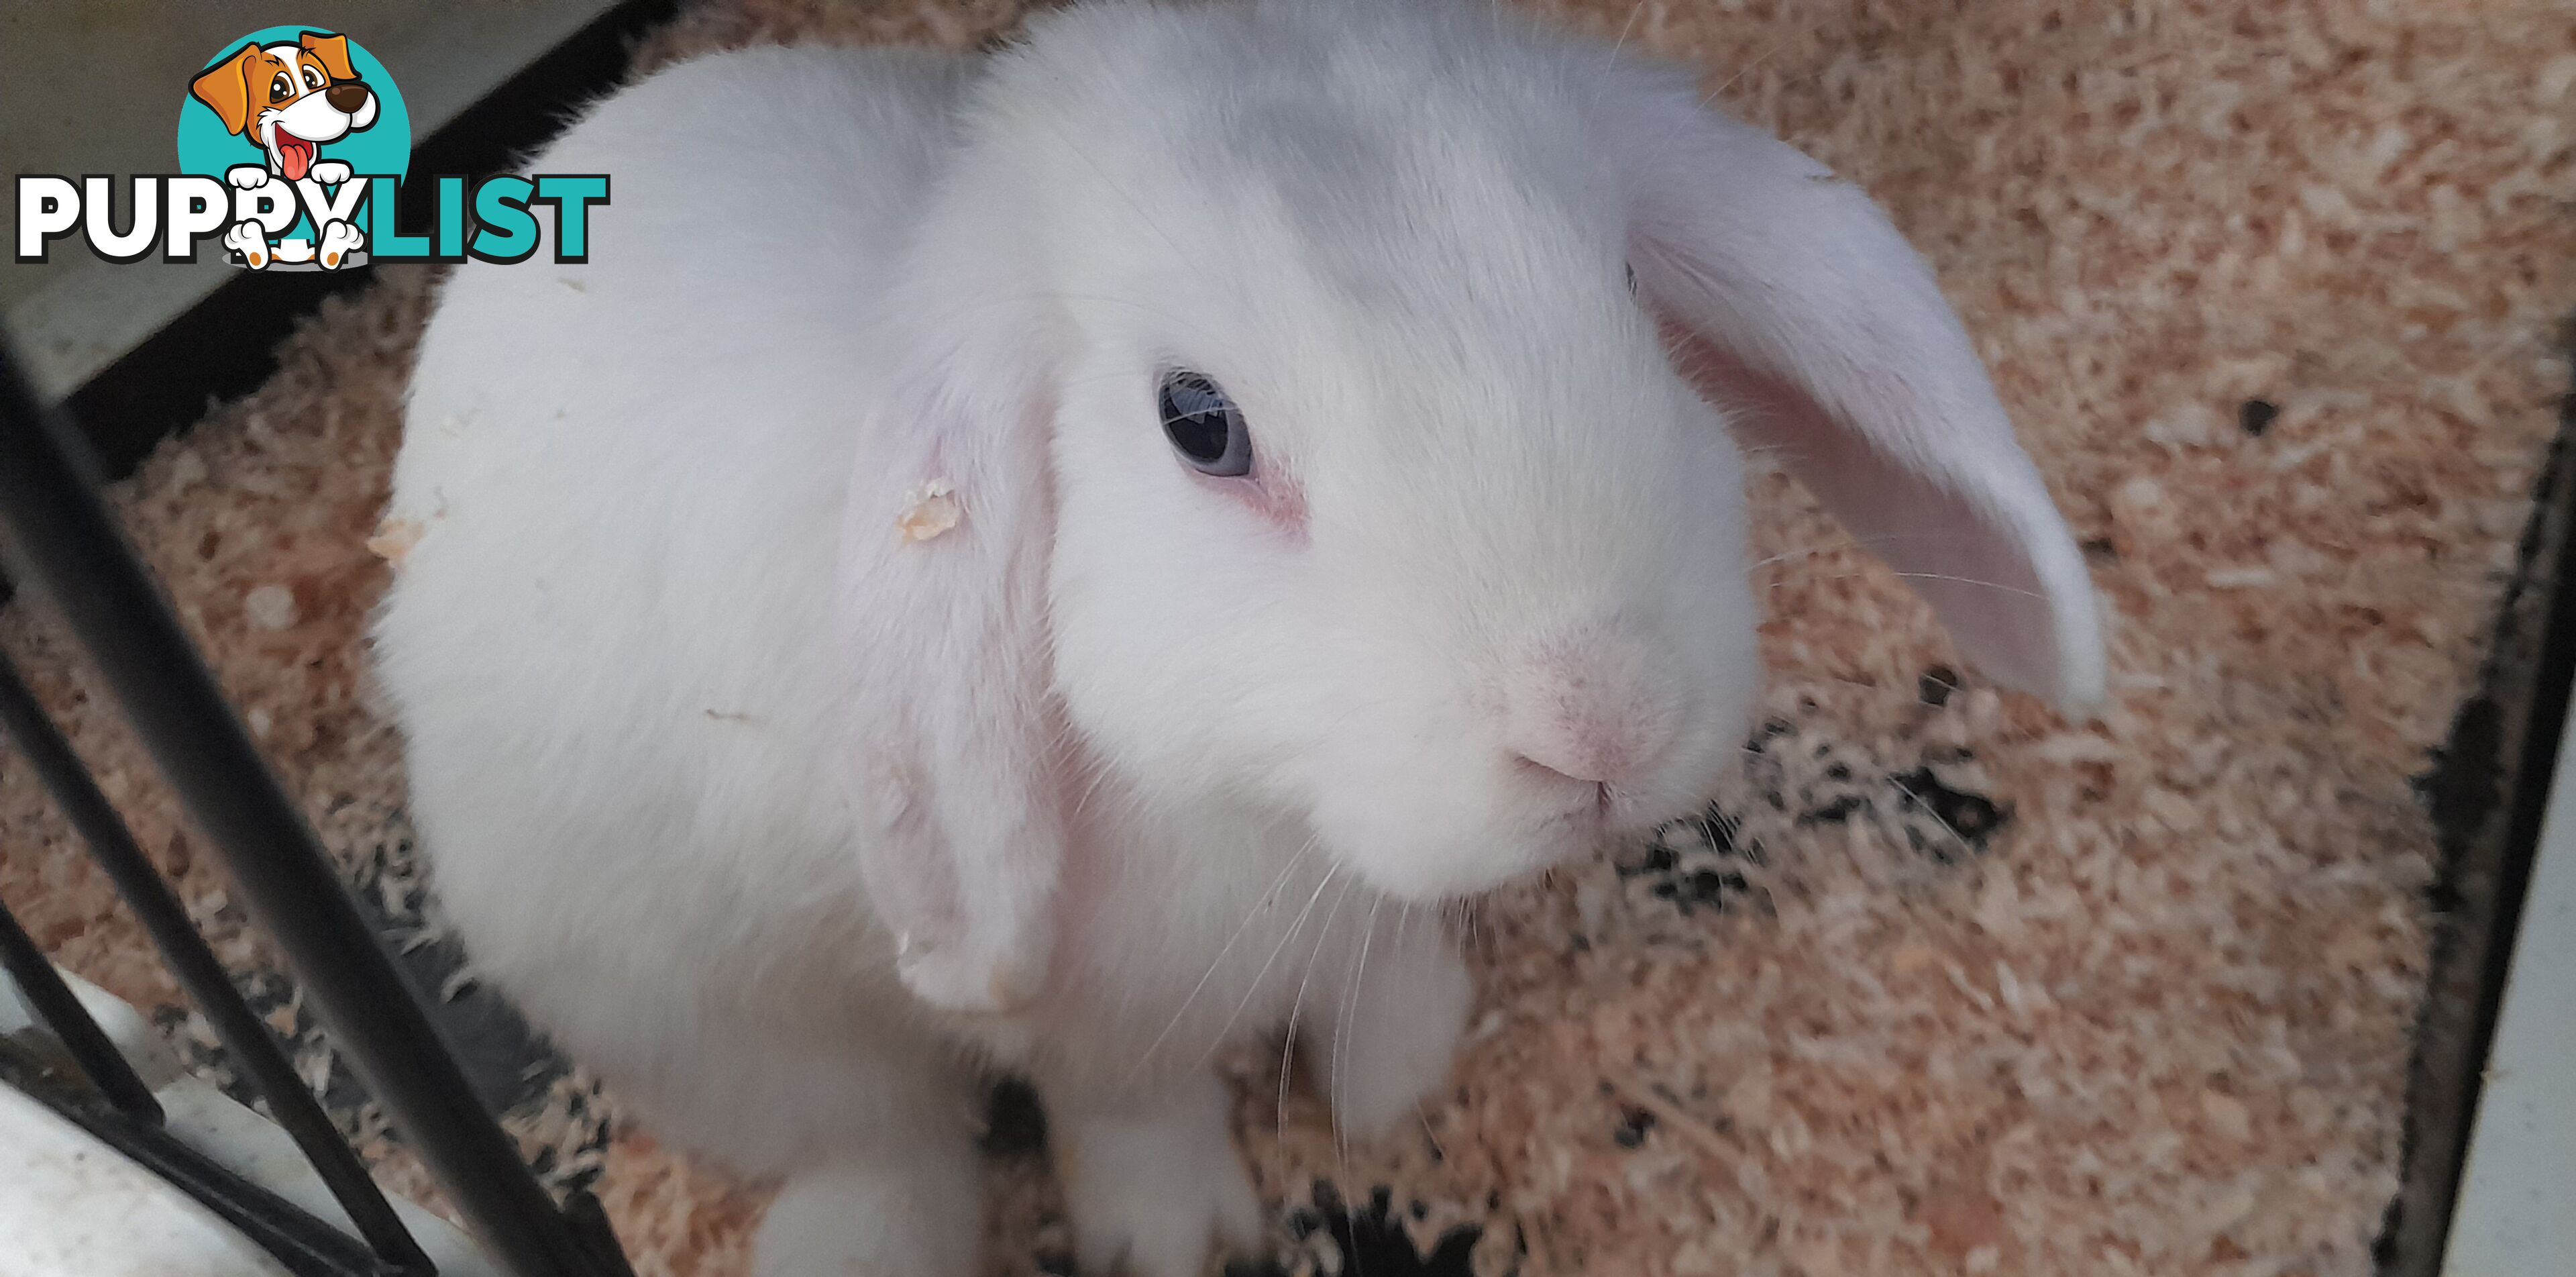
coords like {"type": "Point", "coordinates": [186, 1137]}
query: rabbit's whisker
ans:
{"type": "Point", "coordinates": [1259, 903]}
{"type": "Point", "coordinates": [1297, 1005]}
{"type": "Point", "coordinates": [1342, 1027]}
{"type": "Point", "coordinates": [1979, 582]}
{"type": "Point", "coordinates": [1252, 987]}
{"type": "Point", "coordinates": [1935, 814]}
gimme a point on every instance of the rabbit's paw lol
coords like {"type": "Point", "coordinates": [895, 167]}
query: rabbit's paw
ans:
{"type": "Point", "coordinates": [1154, 1185]}
{"type": "Point", "coordinates": [920, 1215]}
{"type": "Point", "coordinates": [1386, 1038]}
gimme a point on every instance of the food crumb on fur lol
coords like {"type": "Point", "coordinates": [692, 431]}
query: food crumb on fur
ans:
{"type": "Point", "coordinates": [395, 539]}
{"type": "Point", "coordinates": [929, 509]}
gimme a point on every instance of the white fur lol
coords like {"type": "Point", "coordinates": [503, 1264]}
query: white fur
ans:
{"type": "Point", "coordinates": [1151, 1184]}
{"type": "Point", "coordinates": [777, 817]}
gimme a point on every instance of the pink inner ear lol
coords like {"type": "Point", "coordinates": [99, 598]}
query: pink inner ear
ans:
{"type": "Point", "coordinates": [1965, 559]}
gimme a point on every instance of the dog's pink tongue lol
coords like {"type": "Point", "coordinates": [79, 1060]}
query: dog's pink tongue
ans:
{"type": "Point", "coordinates": [295, 154]}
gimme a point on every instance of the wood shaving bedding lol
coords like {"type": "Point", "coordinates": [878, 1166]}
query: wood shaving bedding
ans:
{"type": "Point", "coordinates": [1945, 984]}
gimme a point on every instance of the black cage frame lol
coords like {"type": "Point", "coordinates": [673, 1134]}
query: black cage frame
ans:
{"type": "Point", "coordinates": [67, 545]}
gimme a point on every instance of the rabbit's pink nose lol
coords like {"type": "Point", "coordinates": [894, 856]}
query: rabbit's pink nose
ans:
{"type": "Point", "coordinates": [1590, 711]}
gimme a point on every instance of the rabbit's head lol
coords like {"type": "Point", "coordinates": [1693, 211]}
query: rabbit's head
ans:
{"type": "Point", "coordinates": [1338, 399]}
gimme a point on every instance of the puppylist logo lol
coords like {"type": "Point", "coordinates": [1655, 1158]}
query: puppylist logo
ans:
{"type": "Point", "coordinates": [294, 147]}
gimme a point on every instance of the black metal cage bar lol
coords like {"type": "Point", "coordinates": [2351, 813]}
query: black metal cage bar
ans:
{"type": "Point", "coordinates": [303, 1244]}
{"type": "Point", "coordinates": [252, 1049]}
{"type": "Point", "coordinates": [65, 542]}
{"type": "Point", "coordinates": [61, 1012]}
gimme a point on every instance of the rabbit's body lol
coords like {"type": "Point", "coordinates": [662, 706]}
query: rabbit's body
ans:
{"type": "Point", "coordinates": [821, 674]}
{"type": "Point", "coordinates": [612, 754]}
{"type": "Point", "coordinates": [609, 749]}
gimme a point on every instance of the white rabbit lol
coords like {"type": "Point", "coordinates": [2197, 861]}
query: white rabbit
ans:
{"type": "Point", "coordinates": [1053, 562]}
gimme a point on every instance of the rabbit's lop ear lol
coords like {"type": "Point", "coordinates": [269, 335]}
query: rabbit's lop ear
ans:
{"type": "Point", "coordinates": [1790, 299]}
{"type": "Point", "coordinates": [943, 610]}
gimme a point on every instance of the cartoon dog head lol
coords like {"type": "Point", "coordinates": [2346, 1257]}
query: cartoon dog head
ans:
{"type": "Point", "coordinates": [289, 98]}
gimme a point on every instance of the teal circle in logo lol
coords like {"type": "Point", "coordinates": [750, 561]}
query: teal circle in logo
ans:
{"type": "Point", "coordinates": [210, 143]}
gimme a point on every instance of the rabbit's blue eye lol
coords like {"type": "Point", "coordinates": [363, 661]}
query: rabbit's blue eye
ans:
{"type": "Point", "coordinates": [1203, 424]}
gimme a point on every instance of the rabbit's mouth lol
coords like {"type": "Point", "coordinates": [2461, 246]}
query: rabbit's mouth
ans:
{"type": "Point", "coordinates": [1476, 866]}
{"type": "Point", "coordinates": [1575, 834]}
